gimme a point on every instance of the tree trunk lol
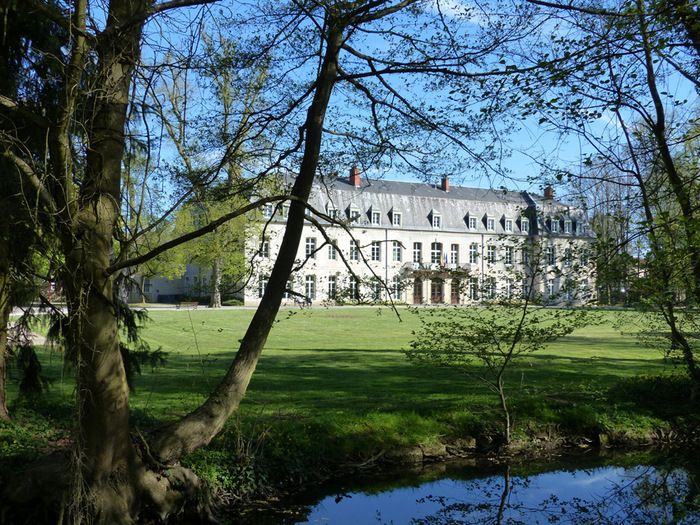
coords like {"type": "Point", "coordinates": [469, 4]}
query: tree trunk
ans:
{"type": "Point", "coordinates": [106, 461]}
{"type": "Point", "coordinates": [199, 427]}
{"type": "Point", "coordinates": [504, 407]}
{"type": "Point", "coordinates": [5, 309]}
{"type": "Point", "coordinates": [215, 285]}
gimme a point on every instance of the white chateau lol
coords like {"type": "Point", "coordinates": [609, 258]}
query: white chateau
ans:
{"type": "Point", "coordinates": [417, 243]}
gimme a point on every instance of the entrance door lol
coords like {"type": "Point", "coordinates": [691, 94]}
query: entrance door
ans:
{"type": "Point", "coordinates": [417, 291]}
{"type": "Point", "coordinates": [437, 294]}
{"type": "Point", "coordinates": [454, 291]}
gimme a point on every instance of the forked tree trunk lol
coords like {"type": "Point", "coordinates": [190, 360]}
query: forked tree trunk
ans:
{"type": "Point", "coordinates": [199, 427]}
{"type": "Point", "coordinates": [106, 464]}
{"type": "Point", "coordinates": [105, 451]}
{"type": "Point", "coordinates": [215, 285]}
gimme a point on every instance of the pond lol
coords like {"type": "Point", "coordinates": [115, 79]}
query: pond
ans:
{"type": "Point", "coordinates": [577, 489]}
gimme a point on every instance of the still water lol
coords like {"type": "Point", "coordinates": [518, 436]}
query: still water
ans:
{"type": "Point", "coordinates": [572, 490]}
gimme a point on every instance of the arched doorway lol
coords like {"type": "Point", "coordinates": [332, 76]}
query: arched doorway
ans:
{"type": "Point", "coordinates": [437, 291]}
{"type": "Point", "coordinates": [417, 291]}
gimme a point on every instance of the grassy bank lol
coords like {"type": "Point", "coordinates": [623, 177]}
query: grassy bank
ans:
{"type": "Point", "coordinates": [334, 388]}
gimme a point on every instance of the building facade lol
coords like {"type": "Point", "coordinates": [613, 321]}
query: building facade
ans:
{"type": "Point", "coordinates": [417, 243]}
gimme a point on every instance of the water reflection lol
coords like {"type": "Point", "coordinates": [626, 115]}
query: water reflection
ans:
{"type": "Point", "coordinates": [578, 490]}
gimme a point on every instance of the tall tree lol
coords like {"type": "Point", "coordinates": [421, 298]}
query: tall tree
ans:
{"type": "Point", "coordinates": [622, 80]}
{"type": "Point", "coordinates": [101, 79]}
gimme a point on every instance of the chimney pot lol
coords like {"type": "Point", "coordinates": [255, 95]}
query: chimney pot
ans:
{"type": "Point", "coordinates": [355, 176]}
{"type": "Point", "coordinates": [445, 184]}
{"type": "Point", "coordinates": [548, 192]}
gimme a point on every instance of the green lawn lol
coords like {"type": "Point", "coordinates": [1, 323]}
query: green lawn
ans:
{"type": "Point", "coordinates": [335, 383]}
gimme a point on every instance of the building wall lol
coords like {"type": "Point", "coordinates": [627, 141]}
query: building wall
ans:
{"type": "Point", "coordinates": [418, 204]}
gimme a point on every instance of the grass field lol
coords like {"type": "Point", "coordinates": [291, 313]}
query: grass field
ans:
{"type": "Point", "coordinates": [335, 383]}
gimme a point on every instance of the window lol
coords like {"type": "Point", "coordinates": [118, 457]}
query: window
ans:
{"type": "Point", "coordinates": [146, 285]}
{"type": "Point", "coordinates": [526, 288]}
{"type": "Point", "coordinates": [490, 224]}
{"type": "Point", "coordinates": [332, 213]}
{"type": "Point", "coordinates": [473, 289]}
{"type": "Point", "coordinates": [332, 286]}
{"type": "Point", "coordinates": [568, 256]}
{"type": "Point", "coordinates": [376, 217]}
{"type": "Point", "coordinates": [417, 252]}
{"type": "Point", "coordinates": [525, 225]}
{"type": "Point", "coordinates": [435, 252]}
{"type": "Point", "coordinates": [376, 251]}
{"type": "Point", "coordinates": [508, 255]}
{"type": "Point", "coordinates": [568, 289]}
{"type": "Point", "coordinates": [311, 247]}
{"type": "Point", "coordinates": [526, 255]}
{"type": "Point", "coordinates": [567, 226]}
{"type": "Point", "coordinates": [490, 288]}
{"type": "Point", "coordinates": [550, 287]}
{"type": "Point", "coordinates": [454, 254]}
{"type": "Point", "coordinates": [473, 253]}
{"type": "Point", "coordinates": [310, 282]}
{"type": "Point", "coordinates": [289, 288]}
{"type": "Point", "coordinates": [549, 255]}
{"type": "Point", "coordinates": [437, 221]}
{"type": "Point", "coordinates": [376, 290]}
{"type": "Point", "coordinates": [472, 223]}
{"type": "Point", "coordinates": [332, 252]}
{"type": "Point", "coordinates": [354, 214]}
{"type": "Point", "coordinates": [509, 225]}
{"type": "Point", "coordinates": [265, 250]}
{"type": "Point", "coordinates": [354, 288]}
{"type": "Point", "coordinates": [262, 285]}
{"type": "Point", "coordinates": [396, 251]}
{"type": "Point", "coordinates": [354, 251]}
{"type": "Point", "coordinates": [396, 288]}
{"type": "Point", "coordinates": [268, 210]}
{"type": "Point", "coordinates": [491, 253]}
{"type": "Point", "coordinates": [396, 218]}
{"type": "Point", "coordinates": [285, 211]}
{"type": "Point", "coordinates": [509, 286]}
{"type": "Point", "coordinates": [584, 258]}
{"type": "Point", "coordinates": [554, 225]}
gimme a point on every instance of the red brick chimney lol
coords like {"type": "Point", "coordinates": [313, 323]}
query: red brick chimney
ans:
{"type": "Point", "coordinates": [445, 184]}
{"type": "Point", "coordinates": [548, 192]}
{"type": "Point", "coordinates": [355, 177]}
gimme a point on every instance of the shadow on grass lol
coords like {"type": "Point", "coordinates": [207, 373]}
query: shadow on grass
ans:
{"type": "Point", "coordinates": [356, 382]}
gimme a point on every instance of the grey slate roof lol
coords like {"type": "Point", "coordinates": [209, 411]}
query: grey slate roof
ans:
{"type": "Point", "coordinates": [418, 202]}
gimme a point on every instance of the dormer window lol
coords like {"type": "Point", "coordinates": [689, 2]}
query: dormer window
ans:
{"type": "Point", "coordinates": [568, 228]}
{"type": "Point", "coordinates": [525, 225]}
{"type": "Point", "coordinates": [375, 217]}
{"type": "Point", "coordinates": [395, 218]}
{"type": "Point", "coordinates": [490, 224]}
{"type": "Point", "coordinates": [508, 225]}
{"type": "Point", "coordinates": [268, 210]}
{"type": "Point", "coordinates": [554, 225]}
{"type": "Point", "coordinates": [471, 221]}
{"type": "Point", "coordinates": [331, 211]}
{"type": "Point", "coordinates": [353, 214]}
{"type": "Point", "coordinates": [435, 219]}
